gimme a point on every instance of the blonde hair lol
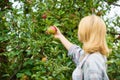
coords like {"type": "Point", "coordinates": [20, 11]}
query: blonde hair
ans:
{"type": "Point", "coordinates": [92, 33]}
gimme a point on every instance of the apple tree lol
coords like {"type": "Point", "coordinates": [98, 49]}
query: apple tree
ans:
{"type": "Point", "coordinates": [28, 53]}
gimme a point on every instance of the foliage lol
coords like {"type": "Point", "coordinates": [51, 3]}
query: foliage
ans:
{"type": "Point", "coordinates": [28, 53]}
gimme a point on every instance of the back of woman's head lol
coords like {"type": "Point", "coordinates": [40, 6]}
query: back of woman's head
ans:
{"type": "Point", "coordinates": [92, 33]}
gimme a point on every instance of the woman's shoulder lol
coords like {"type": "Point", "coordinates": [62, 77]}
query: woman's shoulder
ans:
{"type": "Point", "coordinates": [97, 56]}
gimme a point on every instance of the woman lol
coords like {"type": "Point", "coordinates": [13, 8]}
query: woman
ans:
{"type": "Point", "coordinates": [91, 58]}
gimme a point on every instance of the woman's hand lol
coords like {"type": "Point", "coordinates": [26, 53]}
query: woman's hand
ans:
{"type": "Point", "coordinates": [58, 34]}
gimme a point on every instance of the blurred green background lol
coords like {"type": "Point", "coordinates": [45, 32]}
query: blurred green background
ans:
{"type": "Point", "coordinates": [28, 53]}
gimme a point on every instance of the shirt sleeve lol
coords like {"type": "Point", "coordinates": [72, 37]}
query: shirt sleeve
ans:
{"type": "Point", "coordinates": [75, 52]}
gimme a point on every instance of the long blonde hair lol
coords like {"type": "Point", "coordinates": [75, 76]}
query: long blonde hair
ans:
{"type": "Point", "coordinates": [92, 33]}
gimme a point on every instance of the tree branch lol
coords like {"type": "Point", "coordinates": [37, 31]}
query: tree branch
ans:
{"type": "Point", "coordinates": [15, 72]}
{"type": "Point", "coordinates": [113, 33]}
{"type": "Point", "coordinates": [116, 4]}
{"type": "Point", "coordinates": [112, 3]}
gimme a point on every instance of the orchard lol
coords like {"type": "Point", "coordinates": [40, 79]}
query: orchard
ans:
{"type": "Point", "coordinates": [28, 50]}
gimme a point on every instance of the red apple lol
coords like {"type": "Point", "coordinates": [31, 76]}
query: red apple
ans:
{"type": "Point", "coordinates": [44, 16]}
{"type": "Point", "coordinates": [52, 30]}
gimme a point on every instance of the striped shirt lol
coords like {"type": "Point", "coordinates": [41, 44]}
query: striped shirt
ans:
{"type": "Point", "coordinates": [94, 68]}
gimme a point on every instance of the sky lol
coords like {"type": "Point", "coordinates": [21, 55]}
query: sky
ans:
{"type": "Point", "coordinates": [114, 10]}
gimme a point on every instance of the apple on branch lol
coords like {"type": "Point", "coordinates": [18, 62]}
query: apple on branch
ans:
{"type": "Point", "coordinates": [44, 16]}
{"type": "Point", "coordinates": [44, 59]}
{"type": "Point", "coordinates": [51, 30]}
